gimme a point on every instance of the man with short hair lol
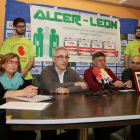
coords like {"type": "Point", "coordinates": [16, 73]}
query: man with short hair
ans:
{"type": "Point", "coordinates": [132, 48]}
{"type": "Point", "coordinates": [99, 61]}
{"type": "Point", "coordinates": [58, 78]}
{"type": "Point", "coordinates": [127, 75]}
{"type": "Point", "coordinates": [22, 47]}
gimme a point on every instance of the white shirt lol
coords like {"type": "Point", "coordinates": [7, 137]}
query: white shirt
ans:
{"type": "Point", "coordinates": [61, 77]}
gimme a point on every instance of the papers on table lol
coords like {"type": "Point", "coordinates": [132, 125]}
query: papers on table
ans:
{"type": "Point", "coordinates": [25, 106]}
{"type": "Point", "coordinates": [127, 90]}
{"type": "Point", "coordinates": [36, 98]}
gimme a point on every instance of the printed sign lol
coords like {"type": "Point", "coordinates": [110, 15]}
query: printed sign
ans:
{"type": "Point", "coordinates": [82, 34]}
{"type": "Point", "coordinates": [36, 70]}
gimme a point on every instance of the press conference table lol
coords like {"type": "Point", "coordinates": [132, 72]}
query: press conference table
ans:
{"type": "Point", "coordinates": [77, 111]}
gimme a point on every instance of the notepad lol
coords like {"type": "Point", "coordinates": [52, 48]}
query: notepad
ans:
{"type": "Point", "coordinates": [36, 98]}
{"type": "Point", "coordinates": [25, 106]}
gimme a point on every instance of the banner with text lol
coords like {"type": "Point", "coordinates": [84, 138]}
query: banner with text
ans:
{"type": "Point", "coordinates": [82, 34]}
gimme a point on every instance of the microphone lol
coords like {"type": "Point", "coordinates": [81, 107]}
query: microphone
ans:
{"type": "Point", "coordinates": [99, 76]}
{"type": "Point", "coordinates": [101, 79]}
{"type": "Point", "coordinates": [107, 77]}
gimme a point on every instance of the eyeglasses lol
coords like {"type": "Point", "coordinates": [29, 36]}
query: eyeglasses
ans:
{"type": "Point", "coordinates": [62, 57]}
{"type": "Point", "coordinates": [137, 63]}
{"type": "Point", "coordinates": [21, 27]}
{"type": "Point", "coordinates": [12, 62]}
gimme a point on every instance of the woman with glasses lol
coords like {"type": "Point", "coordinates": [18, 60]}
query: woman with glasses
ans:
{"type": "Point", "coordinates": [12, 85]}
{"type": "Point", "coordinates": [11, 82]}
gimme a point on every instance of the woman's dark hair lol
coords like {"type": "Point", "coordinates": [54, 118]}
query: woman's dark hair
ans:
{"type": "Point", "coordinates": [7, 57]}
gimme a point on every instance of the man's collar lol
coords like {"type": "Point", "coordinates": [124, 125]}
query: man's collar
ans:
{"type": "Point", "coordinates": [18, 36]}
{"type": "Point", "coordinates": [62, 72]}
{"type": "Point", "coordinates": [137, 39]}
{"type": "Point", "coordinates": [54, 69]}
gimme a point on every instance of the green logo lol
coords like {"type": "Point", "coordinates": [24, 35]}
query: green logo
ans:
{"type": "Point", "coordinates": [75, 19]}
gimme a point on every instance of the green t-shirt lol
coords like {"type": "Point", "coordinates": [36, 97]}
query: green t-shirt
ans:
{"type": "Point", "coordinates": [22, 47]}
{"type": "Point", "coordinates": [133, 48]}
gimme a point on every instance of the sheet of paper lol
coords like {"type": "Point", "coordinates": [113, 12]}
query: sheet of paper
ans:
{"type": "Point", "coordinates": [36, 98]}
{"type": "Point", "coordinates": [25, 106]}
{"type": "Point", "coordinates": [127, 90]}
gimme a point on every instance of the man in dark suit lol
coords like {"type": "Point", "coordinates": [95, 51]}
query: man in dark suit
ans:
{"type": "Point", "coordinates": [127, 75]}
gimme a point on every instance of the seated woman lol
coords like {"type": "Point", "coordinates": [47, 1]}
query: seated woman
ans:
{"type": "Point", "coordinates": [11, 82]}
{"type": "Point", "coordinates": [12, 85]}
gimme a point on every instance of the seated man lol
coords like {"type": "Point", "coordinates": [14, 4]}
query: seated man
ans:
{"type": "Point", "coordinates": [60, 79]}
{"type": "Point", "coordinates": [127, 75]}
{"type": "Point", "coordinates": [99, 61]}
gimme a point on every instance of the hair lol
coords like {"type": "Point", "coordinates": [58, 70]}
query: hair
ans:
{"type": "Point", "coordinates": [17, 20]}
{"type": "Point", "coordinates": [137, 28]}
{"type": "Point", "coordinates": [7, 57]}
{"type": "Point", "coordinates": [96, 55]}
{"type": "Point", "coordinates": [135, 56]}
{"type": "Point", "coordinates": [59, 48]}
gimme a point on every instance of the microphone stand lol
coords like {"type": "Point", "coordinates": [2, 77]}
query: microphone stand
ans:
{"type": "Point", "coordinates": [110, 89]}
{"type": "Point", "coordinates": [103, 84]}
{"type": "Point", "coordinates": [111, 84]}
{"type": "Point", "coordinates": [102, 91]}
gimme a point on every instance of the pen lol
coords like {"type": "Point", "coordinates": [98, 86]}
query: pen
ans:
{"type": "Point", "coordinates": [124, 84]}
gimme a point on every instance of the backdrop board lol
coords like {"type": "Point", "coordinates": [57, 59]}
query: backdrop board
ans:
{"type": "Point", "coordinates": [81, 32]}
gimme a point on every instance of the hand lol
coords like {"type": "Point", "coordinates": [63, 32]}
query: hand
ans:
{"type": "Point", "coordinates": [128, 84]}
{"type": "Point", "coordinates": [30, 91]}
{"type": "Point", "coordinates": [82, 84]}
{"type": "Point", "coordinates": [24, 72]}
{"type": "Point", "coordinates": [118, 84]}
{"type": "Point", "coordinates": [62, 90]}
